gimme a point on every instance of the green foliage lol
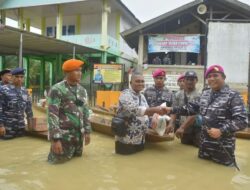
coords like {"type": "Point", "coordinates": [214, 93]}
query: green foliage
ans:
{"type": "Point", "coordinates": [11, 61]}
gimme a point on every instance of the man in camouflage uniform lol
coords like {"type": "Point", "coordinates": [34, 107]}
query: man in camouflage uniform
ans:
{"type": "Point", "coordinates": [14, 101]}
{"type": "Point", "coordinates": [187, 128]}
{"type": "Point", "coordinates": [68, 115]}
{"type": "Point", "coordinates": [133, 105]}
{"type": "Point", "coordinates": [158, 94]}
{"type": "Point", "coordinates": [5, 77]}
{"type": "Point", "coordinates": [223, 113]}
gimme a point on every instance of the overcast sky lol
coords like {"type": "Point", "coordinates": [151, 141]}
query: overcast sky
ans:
{"type": "Point", "coordinates": [145, 10]}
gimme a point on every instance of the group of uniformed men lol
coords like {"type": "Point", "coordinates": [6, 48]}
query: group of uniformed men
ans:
{"type": "Point", "coordinates": [14, 102]}
{"type": "Point", "coordinates": [207, 120]}
{"type": "Point", "coordinates": [210, 118]}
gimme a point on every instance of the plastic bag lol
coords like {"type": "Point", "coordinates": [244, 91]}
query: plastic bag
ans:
{"type": "Point", "coordinates": [159, 123]}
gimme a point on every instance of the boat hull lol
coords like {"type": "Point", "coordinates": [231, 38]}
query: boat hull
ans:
{"type": "Point", "coordinates": [245, 134]}
{"type": "Point", "coordinates": [101, 122]}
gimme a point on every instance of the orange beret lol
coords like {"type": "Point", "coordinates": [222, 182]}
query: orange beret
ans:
{"type": "Point", "coordinates": [72, 64]}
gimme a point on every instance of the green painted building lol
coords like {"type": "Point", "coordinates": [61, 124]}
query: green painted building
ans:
{"type": "Point", "coordinates": [85, 29]}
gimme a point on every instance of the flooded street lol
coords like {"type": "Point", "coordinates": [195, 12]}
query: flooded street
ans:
{"type": "Point", "coordinates": [164, 166]}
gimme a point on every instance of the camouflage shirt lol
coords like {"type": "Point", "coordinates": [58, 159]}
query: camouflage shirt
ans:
{"type": "Point", "coordinates": [133, 105]}
{"type": "Point", "coordinates": [155, 97]}
{"type": "Point", "coordinates": [13, 103]}
{"type": "Point", "coordinates": [223, 109]}
{"type": "Point", "coordinates": [181, 98]}
{"type": "Point", "coordinates": [68, 110]}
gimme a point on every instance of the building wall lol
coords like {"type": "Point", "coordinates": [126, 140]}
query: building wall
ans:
{"type": "Point", "coordinates": [125, 25]}
{"type": "Point", "coordinates": [91, 24]}
{"type": "Point", "coordinates": [90, 29]}
{"type": "Point", "coordinates": [112, 24]}
{"type": "Point", "coordinates": [231, 50]}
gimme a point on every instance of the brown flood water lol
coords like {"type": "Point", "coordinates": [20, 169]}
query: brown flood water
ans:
{"type": "Point", "coordinates": [163, 166]}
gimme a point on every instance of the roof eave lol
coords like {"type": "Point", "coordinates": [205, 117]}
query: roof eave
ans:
{"type": "Point", "coordinates": [141, 27]}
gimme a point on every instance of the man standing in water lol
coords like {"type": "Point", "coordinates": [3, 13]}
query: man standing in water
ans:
{"type": "Point", "coordinates": [14, 101]}
{"type": "Point", "coordinates": [223, 113]}
{"type": "Point", "coordinates": [133, 105]}
{"type": "Point", "coordinates": [187, 128]}
{"type": "Point", "coordinates": [68, 115]}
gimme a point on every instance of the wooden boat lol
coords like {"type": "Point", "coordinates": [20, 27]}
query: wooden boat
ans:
{"type": "Point", "coordinates": [39, 128]}
{"type": "Point", "coordinates": [245, 134]}
{"type": "Point", "coordinates": [40, 134]}
{"type": "Point", "coordinates": [101, 122]}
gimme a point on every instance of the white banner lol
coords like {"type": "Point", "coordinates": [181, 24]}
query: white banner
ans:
{"type": "Point", "coordinates": [174, 43]}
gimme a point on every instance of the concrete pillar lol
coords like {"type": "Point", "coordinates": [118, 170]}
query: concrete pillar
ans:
{"type": "Point", "coordinates": [104, 57]}
{"type": "Point", "coordinates": [43, 26]}
{"type": "Point", "coordinates": [26, 64]}
{"type": "Point", "coordinates": [78, 24]}
{"type": "Point", "coordinates": [42, 77]}
{"type": "Point", "coordinates": [20, 19]}
{"type": "Point", "coordinates": [3, 17]}
{"type": "Point", "coordinates": [28, 24]}
{"type": "Point", "coordinates": [141, 49]}
{"type": "Point", "coordinates": [104, 35]}
{"type": "Point", "coordinates": [51, 71]}
{"type": "Point", "coordinates": [59, 22]}
{"type": "Point", "coordinates": [118, 59]}
{"type": "Point", "coordinates": [118, 28]}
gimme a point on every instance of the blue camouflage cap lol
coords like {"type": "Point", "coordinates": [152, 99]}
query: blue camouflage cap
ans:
{"type": "Point", "coordinates": [18, 71]}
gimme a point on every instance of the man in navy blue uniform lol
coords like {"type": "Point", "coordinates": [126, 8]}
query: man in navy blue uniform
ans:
{"type": "Point", "coordinates": [14, 101]}
{"type": "Point", "coordinates": [223, 113]}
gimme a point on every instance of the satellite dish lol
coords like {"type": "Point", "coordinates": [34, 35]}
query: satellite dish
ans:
{"type": "Point", "coordinates": [202, 9]}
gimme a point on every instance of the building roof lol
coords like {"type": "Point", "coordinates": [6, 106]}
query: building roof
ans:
{"type": "Point", "coordinates": [131, 36]}
{"type": "Point", "coordinates": [35, 44]}
{"type": "Point", "coordinates": [6, 4]}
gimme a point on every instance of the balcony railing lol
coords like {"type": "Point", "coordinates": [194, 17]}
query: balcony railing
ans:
{"type": "Point", "coordinates": [94, 41]}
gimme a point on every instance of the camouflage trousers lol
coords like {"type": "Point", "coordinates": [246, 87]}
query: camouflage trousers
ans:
{"type": "Point", "coordinates": [191, 136]}
{"type": "Point", "coordinates": [13, 132]}
{"type": "Point", "coordinates": [72, 147]}
{"type": "Point", "coordinates": [220, 151]}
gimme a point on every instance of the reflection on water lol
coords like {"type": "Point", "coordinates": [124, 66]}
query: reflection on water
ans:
{"type": "Point", "coordinates": [165, 166]}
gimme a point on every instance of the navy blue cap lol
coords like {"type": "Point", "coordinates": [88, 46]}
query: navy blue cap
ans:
{"type": "Point", "coordinates": [190, 74]}
{"type": "Point", "coordinates": [18, 71]}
